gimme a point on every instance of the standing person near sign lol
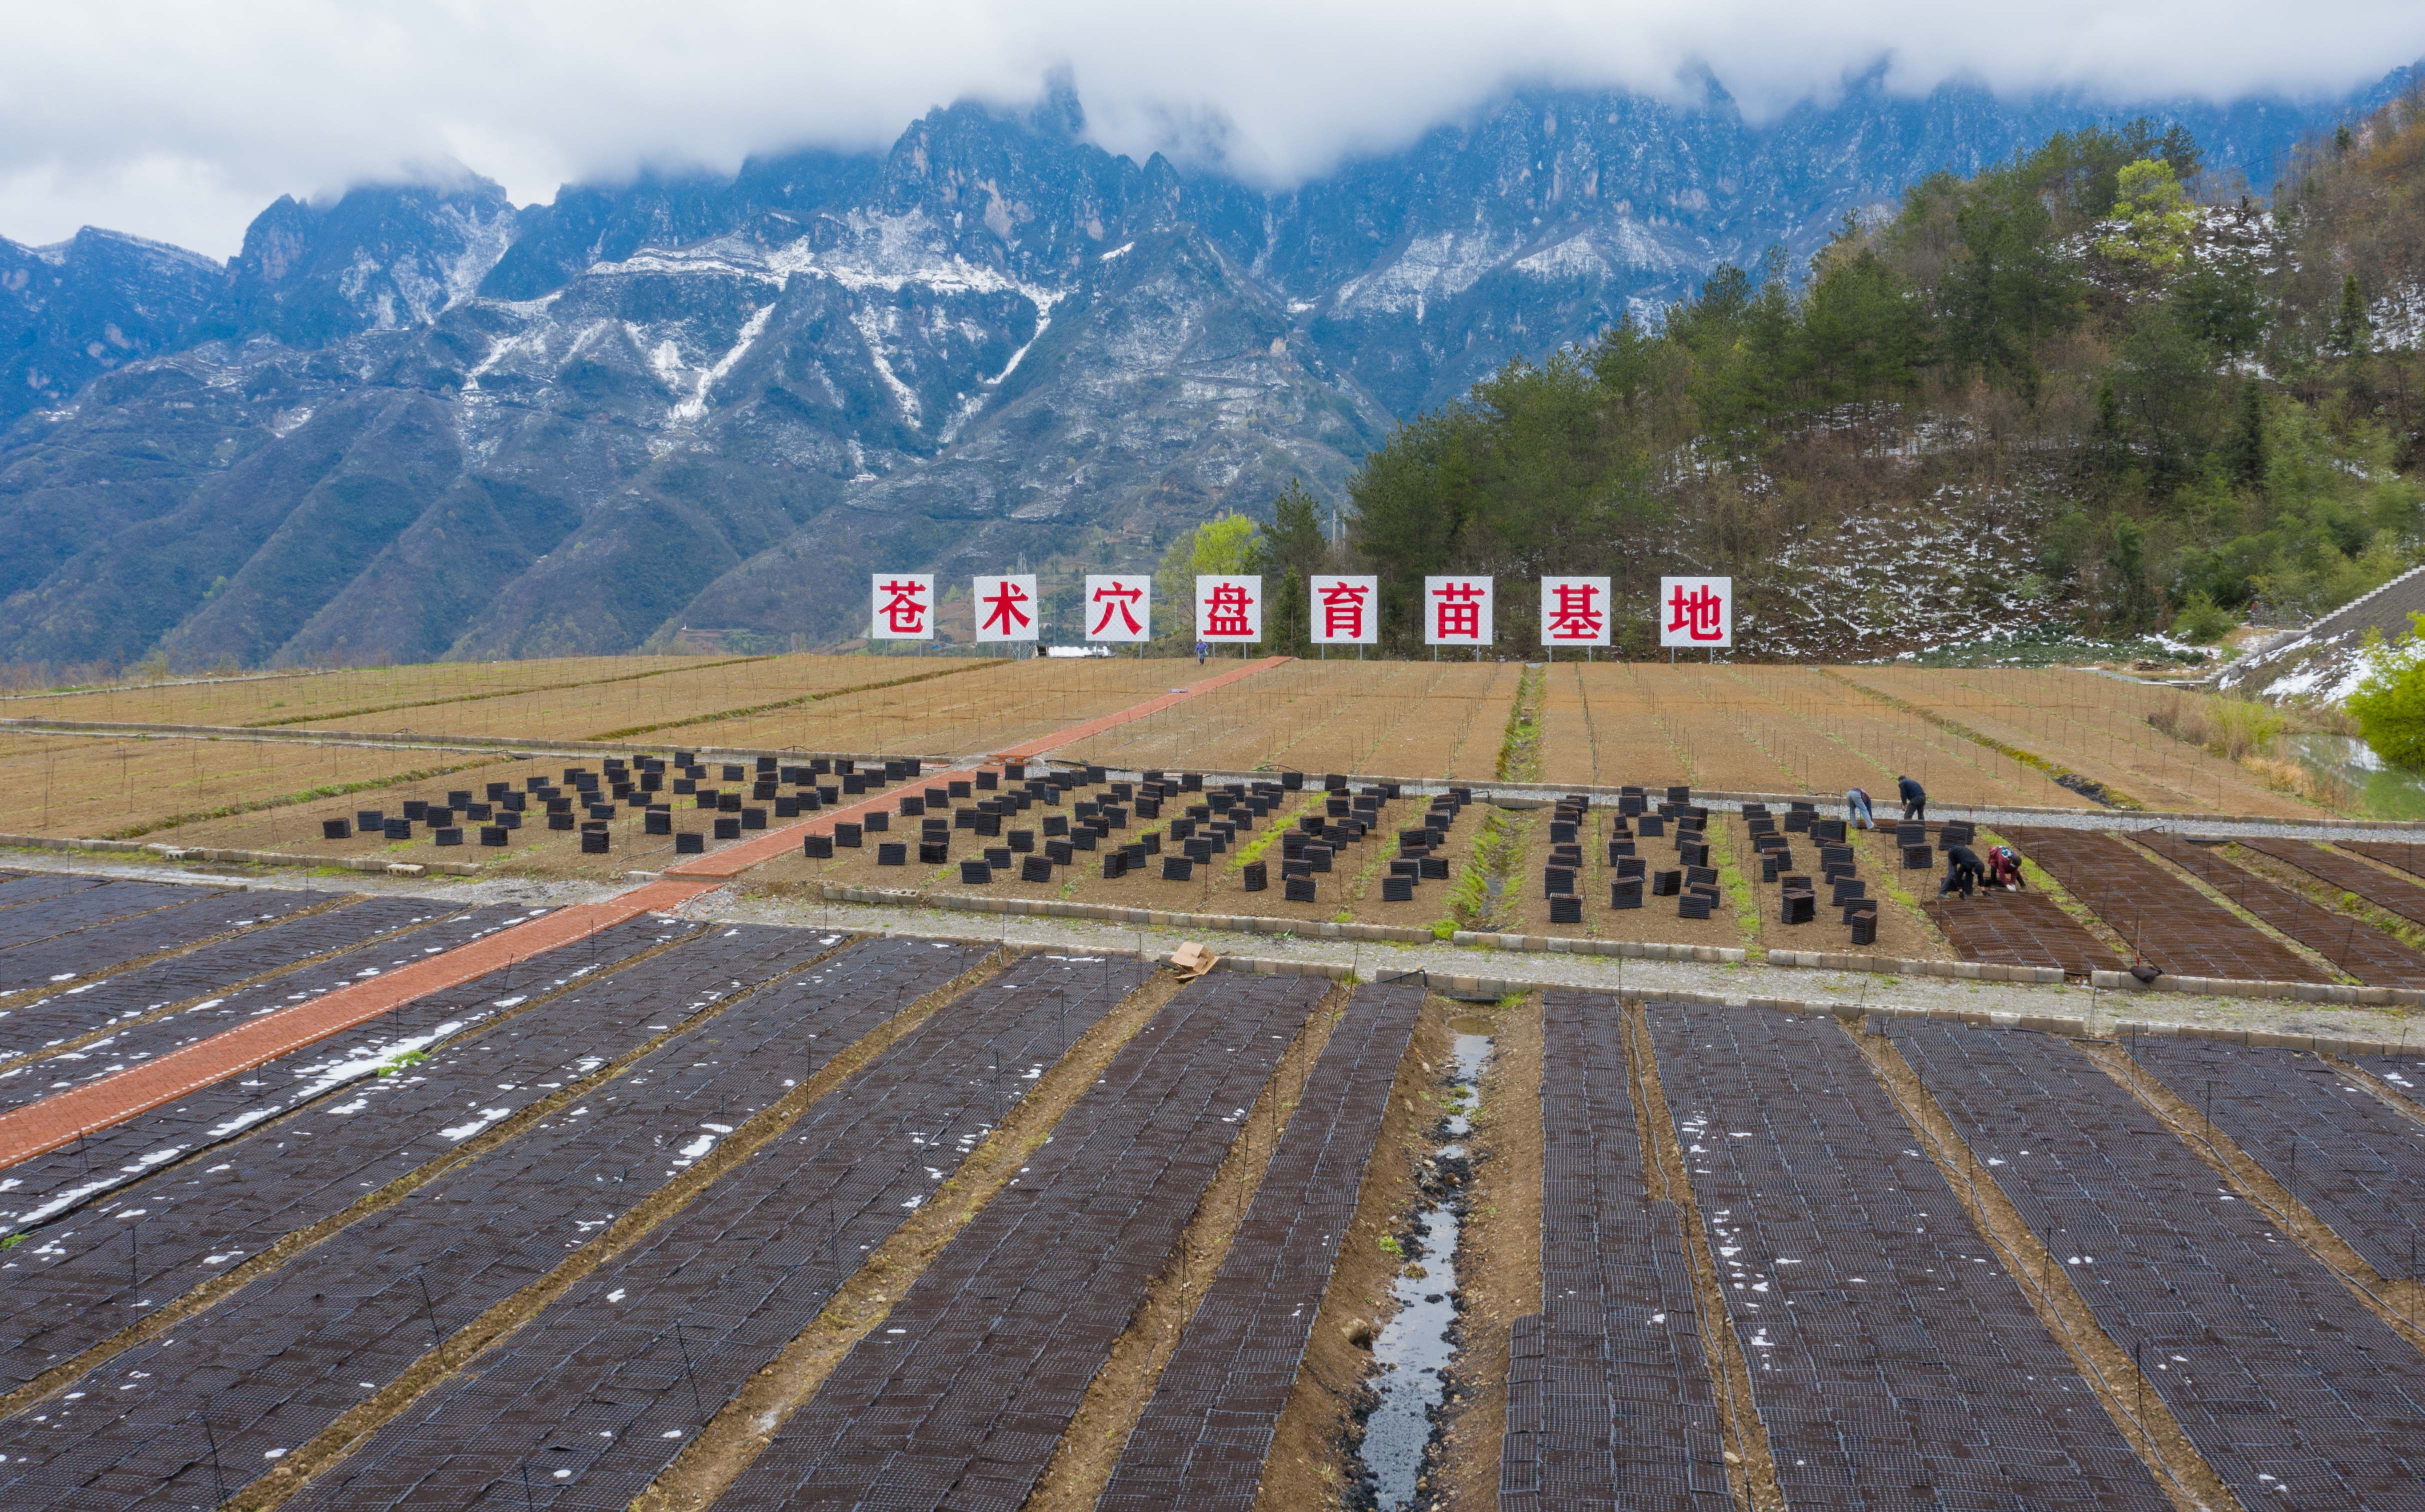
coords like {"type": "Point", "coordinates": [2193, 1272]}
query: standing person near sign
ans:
{"type": "Point", "coordinates": [1915, 800]}
{"type": "Point", "coordinates": [1856, 810]}
{"type": "Point", "coordinates": [1203, 648]}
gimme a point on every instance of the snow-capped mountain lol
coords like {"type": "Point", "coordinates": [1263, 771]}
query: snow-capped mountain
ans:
{"type": "Point", "coordinates": [418, 422]}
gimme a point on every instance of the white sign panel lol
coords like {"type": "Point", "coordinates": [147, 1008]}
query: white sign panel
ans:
{"type": "Point", "coordinates": [1006, 608]}
{"type": "Point", "coordinates": [1696, 611]}
{"type": "Point", "coordinates": [1346, 611]}
{"type": "Point", "coordinates": [1230, 608]}
{"type": "Point", "coordinates": [1574, 611]}
{"type": "Point", "coordinates": [905, 606]}
{"type": "Point", "coordinates": [1120, 607]}
{"type": "Point", "coordinates": [1457, 611]}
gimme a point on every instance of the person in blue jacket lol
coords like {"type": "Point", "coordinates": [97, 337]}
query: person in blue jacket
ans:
{"type": "Point", "coordinates": [1915, 800]}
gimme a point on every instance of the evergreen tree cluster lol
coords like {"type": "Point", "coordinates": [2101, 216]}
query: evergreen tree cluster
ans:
{"type": "Point", "coordinates": [2187, 386]}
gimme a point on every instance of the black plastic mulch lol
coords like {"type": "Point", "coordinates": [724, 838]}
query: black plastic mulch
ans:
{"type": "Point", "coordinates": [100, 947]}
{"type": "Point", "coordinates": [276, 1362]}
{"type": "Point", "coordinates": [960, 1399]}
{"type": "Point", "coordinates": [1609, 1397]}
{"type": "Point", "coordinates": [31, 1027]}
{"type": "Point", "coordinates": [21, 888]}
{"type": "Point", "coordinates": [1893, 1360]}
{"type": "Point", "coordinates": [2354, 1162]}
{"type": "Point", "coordinates": [2296, 1394]}
{"type": "Point", "coordinates": [75, 1277]}
{"type": "Point", "coordinates": [27, 1081]}
{"type": "Point", "coordinates": [46, 908]}
{"type": "Point", "coordinates": [598, 1395]}
{"type": "Point", "coordinates": [1202, 1440]}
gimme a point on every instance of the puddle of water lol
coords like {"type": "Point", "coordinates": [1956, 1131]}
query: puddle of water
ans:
{"type": "Point", "coordinates": [2382, 790]}
{"type": "Point", "coordinates": [1417, 1345]}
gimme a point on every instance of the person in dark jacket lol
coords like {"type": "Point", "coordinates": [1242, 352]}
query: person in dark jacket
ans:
{"type": "Point", "coordinates": [1915, 798]}
{"type": "Point", "coordinates": [1963, 871]}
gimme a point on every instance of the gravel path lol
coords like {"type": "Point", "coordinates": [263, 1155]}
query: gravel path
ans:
{"type": "Point", "coordinates": [1732, 983]}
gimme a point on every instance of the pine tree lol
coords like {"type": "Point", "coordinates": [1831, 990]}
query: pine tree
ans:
{"type": "Point", "coordinates": [2244, 449]}
{"type": "Point", "coordinates": [2352, 332]}
{"type": "Point", "coordinates": [1292, 550]}
{"type": "Point", "coordinates": [2113, 446]}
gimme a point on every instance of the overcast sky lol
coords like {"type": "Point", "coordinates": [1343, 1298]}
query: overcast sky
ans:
{"type": "Point", "coordinates": [180, 120]}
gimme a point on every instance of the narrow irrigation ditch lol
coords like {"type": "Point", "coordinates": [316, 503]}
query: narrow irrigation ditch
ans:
{"type": "Point", "coordinates": [1416, 1351]}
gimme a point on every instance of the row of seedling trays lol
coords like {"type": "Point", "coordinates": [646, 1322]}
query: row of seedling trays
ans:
{"type": "Point", "coordinates": [588, 801]}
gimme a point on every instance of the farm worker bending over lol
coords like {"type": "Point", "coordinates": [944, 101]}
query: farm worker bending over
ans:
{"type": "Point", "coordinates": [1963, 871]}
{"type": "Point", "coordinates": [2005, 868]}
{"type": "Point", "coordinates": [1856, 810]}
{"type": "Point", "coordinates": [1915, 798]}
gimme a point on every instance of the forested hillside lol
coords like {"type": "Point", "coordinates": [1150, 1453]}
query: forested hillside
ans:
{"type": "Point", "coordinates": [418, 421]}
{"type": "Point", "coordinates": [2098, 387]}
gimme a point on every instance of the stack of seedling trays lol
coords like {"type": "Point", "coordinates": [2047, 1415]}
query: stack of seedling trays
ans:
{"type": "Point", "coordinates": [1912, 837]}
{"type": "Point", "coordinates": [1567, 821]}
{"type": "Point", "coordinates": [1313, 848]}
{"type": "Point", "coordinates": [1421, 850]}
{"type": "Point", "coordinates": [826, 782]}
{"type": "Point", "coordinates": [1628, 870]}
{"type": "Point", "coordinates": [1208, 830]}
{"type": "Point", "coordinates": [1693, 882]}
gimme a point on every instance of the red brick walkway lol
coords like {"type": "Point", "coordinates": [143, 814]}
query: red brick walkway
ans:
{"type": "Point", "coordinates": [38, 1126]}
{"type": "Point", "coordinates": [46, 1125]}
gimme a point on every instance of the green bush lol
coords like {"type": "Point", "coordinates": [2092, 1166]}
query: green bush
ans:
{"type": "Point", "coordinates": [2389, 706]}
{"type": "Point", "coordinates": [2199, 622]}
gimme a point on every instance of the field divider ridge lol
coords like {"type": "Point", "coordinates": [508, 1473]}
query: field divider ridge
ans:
{"type": "Point", "coordinates": [72, 1043]}
{"type": "Point", "coordinates": [1498, 1255]}
{"type": "Point", "coordinates": [508, 693]}
{"type": "Point", "coordinates": [38, 1128]}
{"type": "Point", "coordinates": [2382, 1091]}
{"type": "Point", "coordinates": [44, 990]}
{"type": "Point", "coordinates": [740, 1430]}
{"type": "Point", "coordinates": [153, 848]}
{"type": "Point", "coordinates": [1082, 1463]}
{"type": "Point", "coordinates": [2150, 1429]}
{"type": "Point", "coordinates": [531, 745]}
{"type": "Point", "coordinates": [747, 711]}
{"type": "Point", "coordinates": [1751, 1461]}
{"type": "Point", "coordinates": [288, 1248]}
{"type": "Point", "coordinates": [2396, 1301]}
{"type": "Point", "coordinates": [236, 1131]}
{"type": "Point", "coordinates": [500, 1321]}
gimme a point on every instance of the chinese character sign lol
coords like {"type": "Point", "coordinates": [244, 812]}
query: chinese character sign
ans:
{"type": "Point", "coordinates": [1006, 608]}
{"type": "Point", "coordinates": [1457, 611]}
{"type": "Point", "coordinates": [1230, 608]}
{"type": "Point", "coordinates": [1346, 611]}
{"type": "Point", "coordinates": [1574, 611]}
{"type": "Point", "coordinates": [1119, 608]}
{"type": "Point", "coordinates": [905, 606]}
{"type": "Point", "coordinates": [1696, 611]}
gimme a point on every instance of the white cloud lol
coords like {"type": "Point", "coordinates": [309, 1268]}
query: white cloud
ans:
{"type": "Point", "coordinates": [179, 122]}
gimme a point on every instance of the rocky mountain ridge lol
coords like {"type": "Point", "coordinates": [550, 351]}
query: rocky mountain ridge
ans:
{"type": "Point", "coordinates": [418, 422]}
